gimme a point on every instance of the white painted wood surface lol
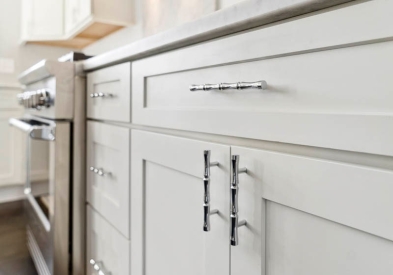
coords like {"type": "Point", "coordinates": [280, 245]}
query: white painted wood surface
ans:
{"type": "Point", "coordinates": [38, 23]}
{"type": "Point", "coordinates": [113, 80]}
{"type": "Point", "coordinates": [108, 148]}
{"type": "Point", "coordinates": [314, 89]}
{"type": "Point", "coordinates": [167, 234]}
{"type": "Point", "coordinates": [107, 245]}
{"type": "Point", "coordinates": [312, 216]}
{"type": "Point", "coordinates": [75, 13]}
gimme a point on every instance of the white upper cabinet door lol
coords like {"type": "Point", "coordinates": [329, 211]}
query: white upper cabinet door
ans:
{"type": "Point", "coordinates": [76, 11]}
{"type": "Point", "coordinates": [108, 185]}
{"type": "Point", "coordinates": [106, 247]}
{"type": "Point", "coordinates": [167, 207]}
{"type": "Point", "coordinates": [109, 93]}
{"type": "Point", "coordinates": [320, 92]}
{"type": "Point", "coordinates": [42, 19]}
{"type": "Point", "coordinates": [309, 216]}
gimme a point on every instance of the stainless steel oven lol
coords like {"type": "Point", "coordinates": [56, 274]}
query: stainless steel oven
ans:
{"type": "Point", "coordinates": [54, 128]}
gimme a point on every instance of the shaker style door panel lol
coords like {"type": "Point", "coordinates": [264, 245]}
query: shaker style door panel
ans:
{"type": "Point", "coordinates": [108, 184]}
{"type": "Point", "coordinates": [310, 216]}
{"type": "Point", "coordinates": [316, 84]}
{"type": "Point", "coordinates": [109, 93]}
{"type": "Point", "coordinates": [167, 207]}
{"type": "Point", "coordinates": [106, 247]}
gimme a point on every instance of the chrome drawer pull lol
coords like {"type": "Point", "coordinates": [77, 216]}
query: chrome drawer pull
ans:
{"type": "Point", "coordinates": [95, 95]}
{"type": "Point", "coordinates": [235, 223]}
{"type": "Point", "coordinates": [99, 171]}
{"type": "Point", "coordinates": [262, 85]}
{"type": "Point", "coordinates": [206, 196]}
{"type": "Point", "coordinates": [99, 267]}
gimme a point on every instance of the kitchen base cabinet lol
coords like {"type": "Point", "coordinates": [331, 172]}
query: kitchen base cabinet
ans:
{"type": "Point", "coordinates": [308, 216]}
{"type": "Point", "coordinates": [167, 198]}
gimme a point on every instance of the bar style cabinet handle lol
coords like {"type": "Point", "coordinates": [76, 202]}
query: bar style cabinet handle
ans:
{"type": "Point", "coordinates": [235, 223]}
{"type": "Point", "coordinates": [99, 267]}
{"type": "Point", "coordinates": [206, 196]}
{"type": "Point", "coordinates": [99, 171]}
{"type": "Point", "coordinates": [261, 85]}
{"type": "Point", "coordinates": [95, 95]}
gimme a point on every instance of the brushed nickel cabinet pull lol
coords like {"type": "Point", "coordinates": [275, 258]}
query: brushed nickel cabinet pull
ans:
{"type": "Point", "coordinates": [262, 85]}
{"type": "Point", "coordinates": [235, 223]}
{"type": "Point", "coordinates": [206, 196]}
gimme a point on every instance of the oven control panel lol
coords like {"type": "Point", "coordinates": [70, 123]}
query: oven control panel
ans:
{"type": "Point", "coordinates": [37, 99]}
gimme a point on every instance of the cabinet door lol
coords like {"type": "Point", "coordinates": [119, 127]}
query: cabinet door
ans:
{"type": "Point", "coordinates": [309, 216]}
{"type": "Point", "coordinates": [76, 11]}
{"type": "Point", "coordinates": [167, 217]}
{"type": "Point", "coordinates": [39, 23]}
{"type": "Point", "coordinates": [108, 184]}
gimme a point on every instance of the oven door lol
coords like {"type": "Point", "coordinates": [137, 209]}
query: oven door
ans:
{"type": "Point", "coordinates": [47, 189]}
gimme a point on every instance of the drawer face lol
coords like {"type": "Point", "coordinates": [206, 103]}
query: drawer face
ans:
{"type": "Point", "coordinates": [108, 185]}
{"type": "Point", "coordinates": [109, 93]}
{"type": "Point", "coordinates": [106, 246]}
{"type": "Point", "coordinates": [315, 86]}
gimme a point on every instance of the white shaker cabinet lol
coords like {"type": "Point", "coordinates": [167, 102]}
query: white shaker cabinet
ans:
{"type": "Point", "coordinates": [167, 207]}
{"type": "Point", "coordinates": [73, 23]}
{"type": "Point", "coordinates": [38, 23]}
{"type": "Point", "coordinates": [308, 216]}
{"type": "Point", "coordinates": [75, 12]}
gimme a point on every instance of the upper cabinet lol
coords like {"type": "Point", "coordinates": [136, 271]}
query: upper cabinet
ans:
{"type": "Point", "coordinates": [38, 23]}
{"type": "Point", "coordinates": [73, 23]}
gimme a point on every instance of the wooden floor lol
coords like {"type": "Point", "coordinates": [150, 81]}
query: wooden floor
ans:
{"type": "Point", "coordinates": [14, 256]}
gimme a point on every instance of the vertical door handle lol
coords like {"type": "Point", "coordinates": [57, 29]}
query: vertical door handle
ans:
{"type": "Point", "coordinates": [235, 223]}
{"type": "Point", "coordinates": [206, 196]}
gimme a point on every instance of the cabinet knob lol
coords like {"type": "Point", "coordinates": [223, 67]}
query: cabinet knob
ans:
{"type": "Point", "coordinates": [99, 171]}
{"type": "Point", "coordinates": [99, 267]}
{"type": "Point", "coordinates": [261, 85]}
{"type": "Point", "coordinates": [206, 187]}
{"type": "Point", "coordinates": [235, 223]}
{"type": "Point", "coordinates": [95, 95]}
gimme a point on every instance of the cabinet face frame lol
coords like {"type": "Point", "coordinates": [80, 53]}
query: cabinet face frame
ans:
{"type": "Point", "coordinates": [163, 218]}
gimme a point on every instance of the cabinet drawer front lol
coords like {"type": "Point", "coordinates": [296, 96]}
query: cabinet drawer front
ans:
{"type": "Point", "coordinates": [106, 246]}
{"type": "Point", "coordinates": [108, 176]}
{"type": "Point", "coordinates": [312, 216]}
{"type": "Point", "coordinates": [109, 93]}
{"type": "Point", "coordinates": [311, 92]}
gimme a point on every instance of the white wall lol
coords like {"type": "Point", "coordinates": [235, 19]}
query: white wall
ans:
{"type": "Point", "coordinates": [10, 49]}
{"type": "Point", "coordinates": [153, 16]}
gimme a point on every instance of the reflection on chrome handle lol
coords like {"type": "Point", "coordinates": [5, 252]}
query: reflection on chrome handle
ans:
{"type": "Point", "coordinates": [262, 85]}
{"type": "Point", "coordinates": [206, 188]}
{"type": "Point", "coordinates": [99, 267]}
{"type": "Point", "coordinates": [95, 95]}
{"type": "Point", "coordinates": [99, 171]}
{"type": "Point", "coordinates": [235, 224]}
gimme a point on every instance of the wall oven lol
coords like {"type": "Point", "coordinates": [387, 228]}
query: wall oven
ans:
{"type": "Point", "coordinates": [54, 128]}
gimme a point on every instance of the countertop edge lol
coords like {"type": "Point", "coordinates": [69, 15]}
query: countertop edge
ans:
{"type": "Point", "coordinates": [240, 17]}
